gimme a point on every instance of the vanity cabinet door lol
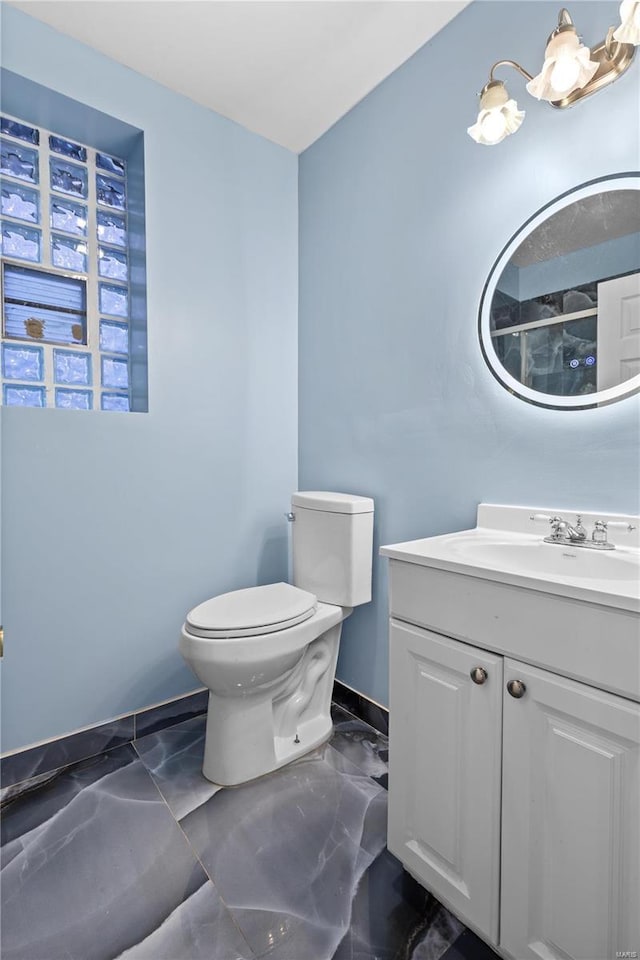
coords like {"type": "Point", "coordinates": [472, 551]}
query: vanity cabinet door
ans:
{"type": "Point", "coordinates": [570, 838]}
{"type": "Point", "coordinates": [444, 776]}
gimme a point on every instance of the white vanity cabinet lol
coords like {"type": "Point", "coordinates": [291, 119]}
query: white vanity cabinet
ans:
{"type": "Point", "coordinates": [444, 770]}
{"type": "Point", "coordinates": [521, 813]}
{"type": "Point", "coordinates": [570, 820]}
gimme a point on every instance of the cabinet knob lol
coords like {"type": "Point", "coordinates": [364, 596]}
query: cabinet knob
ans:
{"type": "Point", "coordinates": [479, 675]}
{"type": "Point", "coordinates": [516, 688]}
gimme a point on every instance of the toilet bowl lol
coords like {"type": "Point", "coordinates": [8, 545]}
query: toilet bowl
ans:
{"type": "Point", "coordinates": [268, 654]}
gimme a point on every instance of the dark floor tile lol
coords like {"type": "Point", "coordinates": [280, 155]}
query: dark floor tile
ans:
{"type": "Point", "coordinates": [470, 947]}
{"type": "Point", "coordinates": [66, 750]}
{"type": "Point", "coordinates": [200, 928]}
{"type": "Point", "coordinates": [169, 714]}
{"type": "Point", "coordinates": [361, 707]}
{"type": "Point", "coordinates": [173, 757]}
{"type": "Point", "coordinates": [439, 933]}
{"type": "Point", "coordinates": [95, 867]}
{"type": "Point", "coordinates": [287, 852]}
{"type": "Point", "coordinates": [394, 918]}
{"type": "Point", "coordinates": [362, 744]}
{"type": "Point", "coordinates": [16, 789]}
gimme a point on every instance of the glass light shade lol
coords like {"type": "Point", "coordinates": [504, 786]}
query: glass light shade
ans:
{"type": "Point", "coordinates": [567, 67]}
{"type": "Point", "coordinates": [498, 117]}
{"type": "Point", "coordinates": [629, 29]}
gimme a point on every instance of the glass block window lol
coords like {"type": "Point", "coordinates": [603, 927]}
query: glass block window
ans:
{"type": "Point", "coordinates": [65, 272]}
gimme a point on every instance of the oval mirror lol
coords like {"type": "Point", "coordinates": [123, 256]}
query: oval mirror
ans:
{"type": "Point", "coordinates": [560, 312]}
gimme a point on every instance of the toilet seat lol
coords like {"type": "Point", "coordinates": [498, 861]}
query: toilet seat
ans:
{"type": "Point", "coordinates": [253, 611]}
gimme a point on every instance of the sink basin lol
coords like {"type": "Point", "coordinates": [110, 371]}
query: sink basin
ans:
{"type": "Point", "coordinates": [507, 547]}
{"type": "Point", "coordinates": [540, 559]}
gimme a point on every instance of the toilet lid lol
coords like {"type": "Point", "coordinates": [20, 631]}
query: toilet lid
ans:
{"type": "Point", "coordinates": [252, 612]}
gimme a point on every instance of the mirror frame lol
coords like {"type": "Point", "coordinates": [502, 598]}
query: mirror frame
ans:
{"type": "Point", "coordinates": [618, 181]}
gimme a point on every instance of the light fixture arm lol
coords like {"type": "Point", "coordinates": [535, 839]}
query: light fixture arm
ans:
{"type": "Point", "coordinates": [509, 63]}
{"type": "Point", "coordinates": [610, 44]}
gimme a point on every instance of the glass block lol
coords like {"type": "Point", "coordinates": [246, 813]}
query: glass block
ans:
{"type": "Point", "coordinates": [19, 161]}
{"type": "Point", "coordinates": [115, 401]}
{"type": "Point", "coordinates": [17, 395]}
{"type": "Point", "coordinates": [111, 193]}
{"type": "Point", "coordinates": [19, 130]}
{"type": "Point", "coordinates": [112, 228]}
{"type": "Point", "coordinates": [112, 263]}
{"type": "Point", "coordinates": [69, 216]}
{"type": "Point", "coordinates": [69, 254]}
{"type": "Point", "coordinates": [20, 202]}
{"type": "Point", "coordinates": [110, 164]}
{"type": "Point", "coordinates": [22, 363]}
{"type": "Point", "coordinates": [69, 149]}
{"type": "Point", "coordinates": [74, 399]}
{"type": "Point", "coordinates": [114, 337]}
{"type": "Point", "coordinates": [20, 242]}
{"type": "Point", "coordinates": [68, 177]}
{"type": "Point", "coordinates": [114, 300]}
{"type": "Point", "coordinates": [115, 373]}
{"type": "Point", "coordinates": [71, 367]}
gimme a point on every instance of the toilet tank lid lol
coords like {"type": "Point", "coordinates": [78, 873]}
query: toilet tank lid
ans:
{"type": "Point", "coordinates": [331, 502]}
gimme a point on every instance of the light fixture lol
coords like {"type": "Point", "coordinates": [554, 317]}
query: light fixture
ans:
{"type": "Point", "coordinates": [499, 115]}
{"type": "Point", "coordinates": [570, 72]}
{"type": "Point", "coordinates": [629, 29]}
{"type": "Point", "coordinates": [567, 64]}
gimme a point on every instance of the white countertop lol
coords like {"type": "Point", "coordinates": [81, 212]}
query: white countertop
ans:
{"type": "Point", "coordinates": [508, 547]}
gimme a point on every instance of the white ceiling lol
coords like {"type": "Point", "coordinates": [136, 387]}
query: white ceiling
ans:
{"type": "Point", "coordinates": [286, 69]}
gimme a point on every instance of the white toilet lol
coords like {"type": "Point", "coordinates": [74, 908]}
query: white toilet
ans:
{"type": "Point", "coordinates": [268, 654]}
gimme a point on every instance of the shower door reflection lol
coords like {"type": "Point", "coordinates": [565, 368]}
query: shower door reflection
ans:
{"type": "Point", "coordinates": [551, 356]}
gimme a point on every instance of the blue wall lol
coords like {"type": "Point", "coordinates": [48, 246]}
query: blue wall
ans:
{"type": "Point", "coordinates": [401, 218]}
{"type": "Point", "coordinates": [114, 525]}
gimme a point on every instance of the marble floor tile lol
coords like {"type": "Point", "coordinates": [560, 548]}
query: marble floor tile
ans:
{"type": "Point", "coordinates": [93, 865]}
{"type": "Point", "coordinates": [173, 757]}
{"type": "Point", "coordinates": [60, 753]}
{"type": "Point", "coordinates": [441, 932]}
{"type": "Point", "coordinates": [287, 852]}
{"type": "Point", "coordinates": [200, 928]}
{"type": "Point", "coordinates": [394, 918]}
{"type": "Point", "coordinates": [361, 743]}
{"type": "Point", "coordinates": [134, 855]}
{"type": "Point", "coordinates": [470, 947]}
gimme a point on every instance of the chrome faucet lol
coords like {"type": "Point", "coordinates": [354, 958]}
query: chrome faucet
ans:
{"type": "Point", "coordinates": [562, 531]}
{"type": "Point", "coordinates": [566, 534]}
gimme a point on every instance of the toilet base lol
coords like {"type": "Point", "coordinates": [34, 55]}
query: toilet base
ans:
{"type": "Point", "coordinates": [251, 735]}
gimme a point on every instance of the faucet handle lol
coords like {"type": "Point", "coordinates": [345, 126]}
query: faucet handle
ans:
{"type": "Point", "coordinates": [601, 529]}
{"type": "Point", "coordinates": [599, 534]}
{"type": "Point", "coordinates": [558, 525]}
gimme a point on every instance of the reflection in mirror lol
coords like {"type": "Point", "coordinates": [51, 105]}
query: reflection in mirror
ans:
{"type": "Point", "coordinates": [560, 319]}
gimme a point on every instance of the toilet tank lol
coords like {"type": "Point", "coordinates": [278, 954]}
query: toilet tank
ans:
{"type": "Point", "coordinates": [332, 537]}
